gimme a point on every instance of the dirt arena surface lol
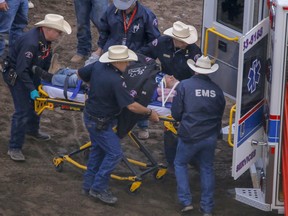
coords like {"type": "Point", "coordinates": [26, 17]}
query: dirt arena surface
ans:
{"type": "Point", "coordinates": [34, 188]}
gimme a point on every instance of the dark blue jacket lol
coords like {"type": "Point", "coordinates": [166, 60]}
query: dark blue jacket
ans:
{"type": "Point", "coordinates": [198, 106]}
{"type": "Point", "coordinates": [30, 49]}
{"type": "Point", "coordinates": [143, 29]}
{"type": "Point", "coordinates": [173, 61]}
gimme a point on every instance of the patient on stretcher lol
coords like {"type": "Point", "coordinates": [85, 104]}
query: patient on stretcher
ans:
{"type": "Point", "coordinates": [163, 95]}
{"type": "Point", "coordinates": [61, 82]}
{"type": "Point", "coordinates": [57, 74]}
{"type": "Point", "coordinates": [66, 77]}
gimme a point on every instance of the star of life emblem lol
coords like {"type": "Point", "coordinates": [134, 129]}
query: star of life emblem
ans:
{"type": "Point", "coordinates": [254, 76]}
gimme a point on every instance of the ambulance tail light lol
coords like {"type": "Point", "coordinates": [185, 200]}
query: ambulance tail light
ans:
{"type": "Point", "coordinates": [272, 150]}
{"type": "Point", "coordinates": [269, 2]}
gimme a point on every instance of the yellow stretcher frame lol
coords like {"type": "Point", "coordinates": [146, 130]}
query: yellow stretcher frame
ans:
{"type": "Point", "coordinates": [44, 102]}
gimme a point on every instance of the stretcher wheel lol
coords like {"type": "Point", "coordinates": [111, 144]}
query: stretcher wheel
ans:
{"type": "Point", "coordinates": [59, 167]}
{"type": "Point", "coordinates": [134, 187]}
{"type": "Point", "coordinates": [160, 173]}
{"type": "Point", "coordinates": [58, 164]}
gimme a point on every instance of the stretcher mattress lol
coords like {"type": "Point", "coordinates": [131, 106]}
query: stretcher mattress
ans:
{"type": "Point", "coordinates": [58, 92]}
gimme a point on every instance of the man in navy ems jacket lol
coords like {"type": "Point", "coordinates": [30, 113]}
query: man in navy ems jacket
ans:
{"type": "Point", "coordinates": [107, 96]}
{"type": "Point", "coordinates": [198, 106]}
{"type": "Point", "coordinates": [129, 23]}
{"type": "Point", "coordinates": [32, 48]}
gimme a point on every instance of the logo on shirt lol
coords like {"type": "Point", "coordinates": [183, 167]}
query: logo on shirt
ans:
{"type": "Point", "coordinates": [136, 71]}
{"type": "Point", "coordinates": [29, 55]}
{"type": "Point", "coordinates": [205, 93]}
{"type": "Point", "coordinates": [155, 22]}
{"type": "Point", "coordinates": [155, 42]}
{"type": "Point", "coordinates": [135, 28]}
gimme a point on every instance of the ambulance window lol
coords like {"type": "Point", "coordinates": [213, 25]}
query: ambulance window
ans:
{"type": "Point", "coordinates": [230, 13]}
{"type": "Point", "coordinates": [256, 13]}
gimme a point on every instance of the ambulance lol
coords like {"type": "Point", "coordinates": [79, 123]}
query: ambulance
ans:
{"type": "Point", "coordinates": [249, 41]}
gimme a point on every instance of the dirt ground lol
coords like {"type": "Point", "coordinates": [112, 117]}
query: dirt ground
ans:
{"type": "Point", "coordinates": [35, 188]}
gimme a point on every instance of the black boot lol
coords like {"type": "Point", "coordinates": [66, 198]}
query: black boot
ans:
{"type": "Point", "coordinates": [44, 75]}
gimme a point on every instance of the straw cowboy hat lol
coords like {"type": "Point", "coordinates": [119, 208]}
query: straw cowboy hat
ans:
{"type": "Point", "coordinates": [55, 21]}
{"type": "Point", "coordinates": [203, 65]}
{"type": "Point", "coordinates": [118, 53]}
{"type": "Point", "coordinates": [182, 32]}
{"type": "Point", "coordinates": [123, 4]}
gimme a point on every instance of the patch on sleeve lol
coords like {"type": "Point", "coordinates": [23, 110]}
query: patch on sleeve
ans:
{"type": "Point", "coordinates": [155, 22]}
{"type": "Point", "coordinates": [196, 57]}
{"type": "Point", "coordinates": [147, 59]}
{"type": "Point", "coordinates": [29, 55]}
{"type": "Point", "coordinates": [133, 93]}
{"type": "Point", "coordinates": [155, 42]}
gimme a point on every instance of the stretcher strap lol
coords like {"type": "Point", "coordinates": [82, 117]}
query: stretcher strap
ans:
{"type": "Point", "coordinates": [77, 89]}
{"type": "Point", "coordinates": [164, 100]}
{"type": "Point", "coordinates": [65, 87]}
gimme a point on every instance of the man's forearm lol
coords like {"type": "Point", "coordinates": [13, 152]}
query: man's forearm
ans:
{"type": "Point", "coordinates": [138, 108]}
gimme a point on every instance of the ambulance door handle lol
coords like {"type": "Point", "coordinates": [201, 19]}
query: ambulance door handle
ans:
{"type": "Point", "coordinates": [258, 143]}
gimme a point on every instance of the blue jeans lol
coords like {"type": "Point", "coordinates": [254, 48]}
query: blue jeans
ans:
{"type": "Point", "coordinates": [13, 22]}
{"type": "Point", "coordinates": [59, 77]}
{"type": "Point", "coordinates": [143, 124]}
{"type": "Point", "coordinates": [87, 10]}
{"type": "Point", "coordinates": [24, 118]}
{"type": "Point", "coordinates": [170, 147]}
{"type": "Point", "coordinates": [203, 150]}
{"type": "Point", "coordinates": [105, 154]}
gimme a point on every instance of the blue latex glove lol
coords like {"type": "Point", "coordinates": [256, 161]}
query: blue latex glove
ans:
{"type": "Point", "coordinates": [34, 94]}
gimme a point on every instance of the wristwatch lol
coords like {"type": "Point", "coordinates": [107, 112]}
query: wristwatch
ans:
{"type": "Point", "coordinates": [148, 114]}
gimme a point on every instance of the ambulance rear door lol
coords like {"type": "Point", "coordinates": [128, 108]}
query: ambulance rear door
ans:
{"type": "Point", "coordinates": [250, 99]}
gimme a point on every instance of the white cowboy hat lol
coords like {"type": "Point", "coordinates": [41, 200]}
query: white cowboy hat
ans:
{"type": "Point", "coordinates": [55, 21]}
{"type": "Point", "coordinates": [182, 32]}
{"type": "Point", "coordinates": [123, 4]}
{"type": "Point", "coordinates": [118, 53]}
{"type": "Point", "coordinates": [203, 65]}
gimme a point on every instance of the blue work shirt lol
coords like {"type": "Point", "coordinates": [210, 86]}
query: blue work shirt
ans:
{"type": "Point", "coordinates": [30, 49]}
{"type": "Point", "coordinates": [108, 93]}
{"type": "Point", "coordinates": [143, 29]}
{"type": "Point", "coordinates": [198, 106]}
{"type": "Point", "coordinates": [173, 61]}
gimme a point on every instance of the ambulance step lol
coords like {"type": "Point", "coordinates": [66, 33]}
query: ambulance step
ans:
{"type": "Point", "coordinates": [252, 197]}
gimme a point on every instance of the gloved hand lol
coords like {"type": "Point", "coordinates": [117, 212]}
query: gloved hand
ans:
{"type": "Point", "coordinates": [34, 94]}
{"type": "Point", "coordinates": [93, 58]}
